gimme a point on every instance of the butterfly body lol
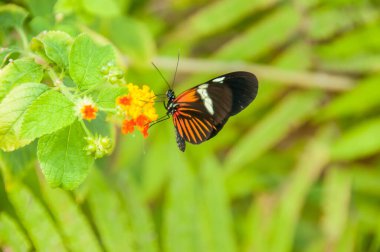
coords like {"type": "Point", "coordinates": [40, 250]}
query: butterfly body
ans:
{"type": "Point", "coordinates": [199, 113]}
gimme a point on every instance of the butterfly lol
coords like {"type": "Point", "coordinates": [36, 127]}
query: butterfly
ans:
{"type": "Point", "coordinates": [199, 113]}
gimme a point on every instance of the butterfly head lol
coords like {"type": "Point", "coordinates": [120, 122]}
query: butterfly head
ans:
{"type": "Point", "coordinates": [170, 95]}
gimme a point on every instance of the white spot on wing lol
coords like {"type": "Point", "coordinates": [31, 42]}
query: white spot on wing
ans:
{"type": "Point", "coordinates": [219, 80]}
{"type": "Point", "coordinates": [202, 91]}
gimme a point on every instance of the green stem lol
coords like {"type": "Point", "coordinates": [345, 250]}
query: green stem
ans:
{"type": "Point", "coordinates": [112, 110]}
{"type": "Point", "coordinates": [23, 37]}
{"type": "Point", "coordinates": [88, 90]}
{"type": "Point", "coordinates": [59, 84]}
{"type": "Point", "coordinates": [88, 133]}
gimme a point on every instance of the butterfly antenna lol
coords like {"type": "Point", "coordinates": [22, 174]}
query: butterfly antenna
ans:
{"type": "Point", "coordinates": [162, 76]}
{"type": "Point", "coordinates": [175, 73]}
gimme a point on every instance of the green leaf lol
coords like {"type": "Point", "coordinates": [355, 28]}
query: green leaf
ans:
{"type": "Point", "coordinates": [5, 54]}
{"type": "Point", "coordinates": [12, 111]}
{"type": "Point", "coordinates": [50, 112]}
{"type": "Point", "coordinates": [141, 219]}
{"type": "Point", "coordinates": [284, 117]}
{"type": "Point", "coordinates": [76, 229]}
{"type": "Point", "coordinates": [265, 35]}
{"type": "Point", "coordinates": [360, 141]}
{"type": "Point", "coordinates": [40, 7]}
{"type": "Point", "coordinates": [86, 60]}
{"type": "Point", "coordinates": [12, 16]}
{"type": "Point", "coordinates": [17, 72]}
{"type": "Point", "coordinates": [336, 205]}
{"type": "Point", "coordinates": [107, 96]}
{"type": "Point", "coordinates": [132, 37]}
{"type": "Point", "coordinates": [199, 25]}
{"type": "Point", "coordinates": [55, 46]}
{"type": "Point", "coordinates": [365, 96]}
{"type": "Point", "coordinates": [35, 219]}
{"type": "Point", "coordinates": [309, 167]}
{"type": "Point", "coordinates": [11, 235]}
{"type": "Point", "coordinates": [20, 160]}
{"type": "Point", "coordinates": [182, 207]}
{"type": "Point", "coordinates": [63, 158]}
{"type": "Point", "coordinates": [102, 201]}
{"type": "Point", "coordinates": [215, 197]}
{"type": "Point", "coordinates": [103, 8]}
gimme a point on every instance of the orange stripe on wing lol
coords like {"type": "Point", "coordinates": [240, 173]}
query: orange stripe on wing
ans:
{"type": "Point", "coordinates": [192, 122]}
{"type": "Point", "coordinates": [197, 123]}
{"type": "Point", "coordinates": [187, 137]}
{"type": "Point", "coordinates": [200, 122]}
{"type": "Point", "coordinates": [190, 130]}
{"type": "Point", "coordinates": [178, 126]}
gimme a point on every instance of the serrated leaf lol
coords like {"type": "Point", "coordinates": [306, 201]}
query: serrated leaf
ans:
{"type": "Point", "coordinates": [55, 46]}
{"type": "Point", "coordinates": [360, 141]}
{"type": "Point", "coordinates": [5, 54]}
{"type": "Point", "coordinates": [17, 72]}
{"type": "Point", "coordinates": [138, 44]}
{"type": "Point", "coordinates": [35, 219]}
{"type": "Point", "coordinates": [12, 16]}
{"type": "Point", "coordinates": [74, 225]}
{"type": "Point", "coordinates": [107, 96]}
{"type": "Point", "coordinates": [50, 112]}
{"type": "Point", "coordinates": [103, 8]}
{"type": "Point", "coordinates": [63, 158]}
{"type": "Point", "coordinates": [12, 111]}
{"type": "Point", "coordinates": [86, 60]}
{"type": "Point", "coordinates": [11, 235]}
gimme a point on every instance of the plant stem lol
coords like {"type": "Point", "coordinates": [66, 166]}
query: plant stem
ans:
{"type": "Point", "coordinates": [302, 79]}
{"type": "Point", "coordinates": [23, 38]}
{"type": "Point", "coordinates": [88, 133]}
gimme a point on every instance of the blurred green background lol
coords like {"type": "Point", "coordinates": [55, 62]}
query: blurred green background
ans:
{"type": "Point", "coordinates": [298, 170]}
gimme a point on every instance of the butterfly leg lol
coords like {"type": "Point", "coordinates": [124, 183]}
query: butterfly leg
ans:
{"type": "Point", "coordinates": [163, 118]}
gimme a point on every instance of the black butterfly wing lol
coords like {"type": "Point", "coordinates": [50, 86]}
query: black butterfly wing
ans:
{"type": "Point", "coordinates": [244, 87]}
{"type": "Point", "coordinates": [203, 110]}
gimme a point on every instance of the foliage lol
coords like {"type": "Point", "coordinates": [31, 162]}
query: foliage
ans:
{"type": "Point", "coordinates": [296, 171]}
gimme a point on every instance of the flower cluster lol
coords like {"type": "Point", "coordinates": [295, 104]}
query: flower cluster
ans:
{"type": "Point", "coordinates": [137, 108]}
{"type": "Point", "coordinates": [85, 108]}
{"type": "Point", "coordinates": [113, 74]}
{"type": "Point", "coordinates": [98, 146]}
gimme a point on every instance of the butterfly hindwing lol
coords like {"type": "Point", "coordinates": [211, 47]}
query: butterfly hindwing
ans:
{"type": "Point", "coordinates": [195, 127]}
{"type": "Point", "coordinates": [180, 141]}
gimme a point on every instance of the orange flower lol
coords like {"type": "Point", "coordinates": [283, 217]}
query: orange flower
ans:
{"type": "Point", "coordinates": [89, 112]}
{"type": "Point", "coordinates": [142, 120]}
{"type": "Point", "coordinates": [124, 100]}
{"type": "Point", "coordinates": [137, 108]}
{"type": "Point", "coordinates": [86, 109]}
{"type": "Point", "coordinates": [128, 126]}
{"type": "Point", "coordinates": [144, 131]}
{"type": "Point", "coordinates": [142, 123]}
